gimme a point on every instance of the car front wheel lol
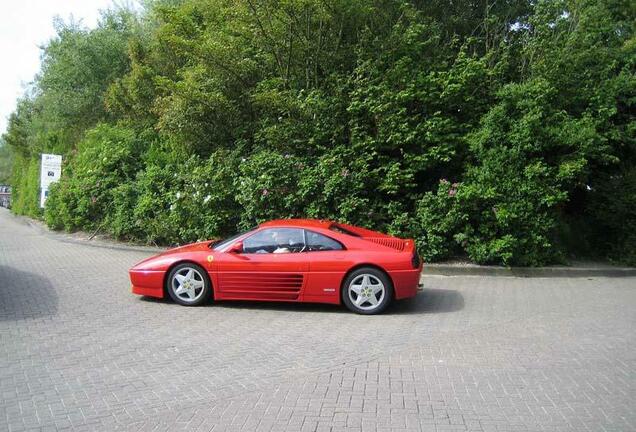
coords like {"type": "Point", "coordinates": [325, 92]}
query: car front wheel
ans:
{"type": "Point", "coordinates": [188, 284]}
{"type": "Point", "coordinates": [367, 291]}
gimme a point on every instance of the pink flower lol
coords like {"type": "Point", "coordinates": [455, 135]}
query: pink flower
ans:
{"type": "Point", "coordinates": [93, 200]}
{"type": "Point", "coordinates": [265, 192]}
{"type": "Point", "coordinates": [444, 181]}
{"type": "Point", "coordinates": [344, 172]}
{"type": "Point", "coordinates": [452, 192]}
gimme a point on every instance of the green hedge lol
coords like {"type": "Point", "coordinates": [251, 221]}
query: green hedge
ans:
{"type": "Point", "coordinates": [501, 132]}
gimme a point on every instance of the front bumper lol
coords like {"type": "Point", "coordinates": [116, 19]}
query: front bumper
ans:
{"type": "Point", "coordinates": [147, 282]}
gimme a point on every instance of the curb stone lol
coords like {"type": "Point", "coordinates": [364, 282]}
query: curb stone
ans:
{"type": "Point", "coordinates": [575, 271]}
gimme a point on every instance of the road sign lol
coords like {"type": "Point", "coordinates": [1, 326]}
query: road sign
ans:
{"type": "Point", "coordinates": [50, 172]}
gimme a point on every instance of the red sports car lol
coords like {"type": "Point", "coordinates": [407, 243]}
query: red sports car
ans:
{"type": "Point", "coordinates": [295, 260]}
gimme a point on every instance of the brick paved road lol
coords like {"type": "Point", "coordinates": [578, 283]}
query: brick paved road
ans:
{"type": "Point", "coordinates": [79, 352]}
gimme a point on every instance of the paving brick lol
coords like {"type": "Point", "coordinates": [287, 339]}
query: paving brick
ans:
{"type": "Point", "coordinates": [79, 352]}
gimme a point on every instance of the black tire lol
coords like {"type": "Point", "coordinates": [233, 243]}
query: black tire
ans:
{"type": "Point", "coordinates": [366, 306]}
{"type": "Point", "coordinates": [199, 285]}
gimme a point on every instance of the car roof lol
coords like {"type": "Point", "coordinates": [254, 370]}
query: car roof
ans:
{"type": "Point", "coordinates": [304, 223]}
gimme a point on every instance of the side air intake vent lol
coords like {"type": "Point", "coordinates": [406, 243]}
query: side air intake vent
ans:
{"type": "Point", "coordinates": [270, 285]}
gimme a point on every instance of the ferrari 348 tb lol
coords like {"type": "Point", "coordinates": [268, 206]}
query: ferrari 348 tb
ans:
{"type": "Point", "coordinates": [293, 260]}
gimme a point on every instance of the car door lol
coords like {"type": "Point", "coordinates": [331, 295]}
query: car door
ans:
{"type": "Point", "coordinates": [328, 262]}
{"type": "Point", "coordinates": [271, 267]}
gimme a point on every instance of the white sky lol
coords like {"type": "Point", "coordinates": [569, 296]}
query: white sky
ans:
{"type": "Point", "coordinates": [24, 26]}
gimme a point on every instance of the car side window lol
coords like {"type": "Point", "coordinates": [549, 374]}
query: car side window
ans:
{"type": "Point", "coordinates": [275, 240]}
{"type": "Point", "coordinates": [319, 242]}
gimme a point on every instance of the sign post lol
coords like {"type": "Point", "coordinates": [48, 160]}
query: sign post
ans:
{"type": "Point", "coordinates": [50, 172]}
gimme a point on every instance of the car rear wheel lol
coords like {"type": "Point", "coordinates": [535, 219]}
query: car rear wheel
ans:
{"type": "Point", "coordinates": [188, 284]}
{"type": "Point", "coordinates": [367, 291]}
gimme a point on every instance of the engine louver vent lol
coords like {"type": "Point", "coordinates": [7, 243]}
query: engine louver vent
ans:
{"type": "Point", "coordinates": [394, 243]}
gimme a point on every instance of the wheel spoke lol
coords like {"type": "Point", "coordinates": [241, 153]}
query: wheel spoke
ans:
{"type": "Point", "coordinates": [190, 274]}
{"type": "Point", "coordinates": [360, 300]}
{"type": "Point", "coordinates": [377, 288]}
{"type": "Point", "coordinates": [356, 289]}
{"type": "Point", "coordinates": [191, 294]}
{"type": "Point", "coordinates": [180, 278]}
{"type": "Point", "coordinates": [366, 281]}
{"type": "Point", "coordinates": [180, 290]}
{"type": "Point", "coordinates": [373, 300]}
{"type": "Point", "coordinates": [197, 283]}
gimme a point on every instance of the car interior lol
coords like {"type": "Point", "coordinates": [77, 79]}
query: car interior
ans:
{"type": "Point", "coordinates": [288, 240]}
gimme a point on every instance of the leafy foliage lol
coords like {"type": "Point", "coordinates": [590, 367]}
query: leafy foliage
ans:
{"type": "Point", "coordinates": [107, 157]}
{"type": "Point", "coordinates": [490, 130]}
{"type": "Point", "coordinates": [612, 208]}
{"type": "Point", "coordinates": [6, 162]}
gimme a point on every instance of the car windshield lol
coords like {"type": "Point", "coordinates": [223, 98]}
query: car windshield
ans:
{"type": "Point", "coordinates": [220, 244]}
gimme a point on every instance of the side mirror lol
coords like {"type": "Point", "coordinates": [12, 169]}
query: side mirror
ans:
{"type": "Point", "coordinates": [236, 248]}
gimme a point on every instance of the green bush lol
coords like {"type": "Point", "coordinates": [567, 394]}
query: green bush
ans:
{"type": "Point", "coordinates": [63, 209]}
{"type": "Point", "coordinates": [187, 201]}
{"type": "Point", "coordinates": [154, 187]}
{"type": "Point", "coordinates": [25, 194]}
{"type": "Point", "coordinates": [511, 212]}
{"type": "Point", "coordinates": [120, 221]}
{"type": "Point", "coordinates": [267, 187]}
{"type": "Point", "coordinates": [343, 185]}
{"type": "Point", "coordinates": [107, 157]}
{"type": "Point", "coordinates": [528, 155]}
{"type": "Point", "coordinates": [176, 202]}
{"type": "Point", "coordinates": [438, 218]}
{"type": "Point", "coordinates": [612, 217]}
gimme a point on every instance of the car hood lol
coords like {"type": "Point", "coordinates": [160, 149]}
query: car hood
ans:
{"type": "Point", "coordinates": [204, 245]}
{"type": "Point", "coordinates": [165, 259]}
